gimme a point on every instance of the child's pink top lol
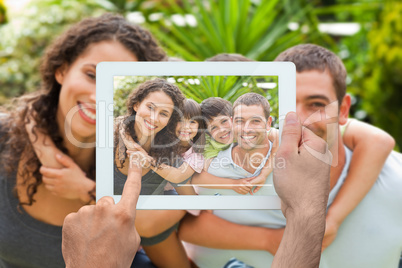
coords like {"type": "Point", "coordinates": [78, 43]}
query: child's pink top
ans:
{"type": "Point", "coordinates": [194, 160]}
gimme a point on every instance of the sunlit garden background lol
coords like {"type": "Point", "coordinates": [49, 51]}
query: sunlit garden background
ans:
{"type": "Point", "coordinates": [367, 35]}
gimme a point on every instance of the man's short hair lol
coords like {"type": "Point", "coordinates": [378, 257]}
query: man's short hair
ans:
{"type": "Point", "coordinates": [250, 99]}
{"type": "Point", "coordinates": [309, 57]}
{"type": "Point", "coordinates": [228, 57]}
{"type": "Point", "coordinates": [215, 106]}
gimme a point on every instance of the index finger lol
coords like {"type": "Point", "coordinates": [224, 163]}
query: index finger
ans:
{"type": "Point", "coordinates": [131, 190]}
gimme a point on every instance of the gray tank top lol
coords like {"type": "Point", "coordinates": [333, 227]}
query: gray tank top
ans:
{"type": "Point", "coordinates": [151, 183]}
{"type": "Point", "coordinates": [25, 241]}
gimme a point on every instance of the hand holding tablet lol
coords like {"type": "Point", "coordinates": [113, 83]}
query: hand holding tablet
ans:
{"type": "Point", "coordinates": [103, 235]}
{"type": "Point", "coordinates": [303, 186]}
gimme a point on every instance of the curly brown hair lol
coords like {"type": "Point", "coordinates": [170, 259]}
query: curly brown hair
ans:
{"type": "Point", "coordinates": [167, 135]}
{"type": "Point", "coordinates": [42, 106]}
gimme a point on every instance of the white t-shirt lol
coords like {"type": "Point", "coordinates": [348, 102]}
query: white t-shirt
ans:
{"type": "Point", "coordinates": [371, 236]}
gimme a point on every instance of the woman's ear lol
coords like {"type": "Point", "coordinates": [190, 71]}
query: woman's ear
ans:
{"type": "Point", "coordinates": [135, 107]}
{"type": "Point", "coordinates": [60, 73]}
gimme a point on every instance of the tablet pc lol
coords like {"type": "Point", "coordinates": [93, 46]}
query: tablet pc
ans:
{"type": "Point", "coordinates": [275, 80]}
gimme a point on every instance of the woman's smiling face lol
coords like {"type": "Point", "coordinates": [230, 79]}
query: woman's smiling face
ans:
{"type": "Point", "coordinates": [76, 113]}
{"type": "Point", "coordinates": [152, 114]}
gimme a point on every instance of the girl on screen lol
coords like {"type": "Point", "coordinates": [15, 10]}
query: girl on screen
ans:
{"type": "Point", "coordinates": [190, 136]}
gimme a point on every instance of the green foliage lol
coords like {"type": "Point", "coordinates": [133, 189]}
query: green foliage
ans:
{"type": "Point", "coordinates": [202, 87]}
{"type": "Point", "coordinates": [123, 6]}
{"type": "Point", "coordinates": [346, 10]}
{"type": "Point", "coordinates": [123, 86]}
{"type": "Point", "coordinates": [24, 39]}
{"type": "Point", "coordinates": [257, 29]}
{"type": "Point", "coordinates": [3, 12]}
{"type": "Point", "coordinates": [227, 87]}
{"type": "Point", "coordinates": [371, 60]}
{"type": "Point", "coordinates": [382, 86]}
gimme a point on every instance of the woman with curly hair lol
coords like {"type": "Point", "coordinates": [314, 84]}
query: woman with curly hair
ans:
{"type": "Point", "coordinates": [153, 112]}
{"type": "Point", "coordinates": [31, 213]}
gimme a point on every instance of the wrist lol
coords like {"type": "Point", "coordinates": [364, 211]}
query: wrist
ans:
{"type": "Point", "coordinates": [307, 228]}
{"type": "Point", "coordinates": [234, 183]}
{"type": "Point", "coordinates": [135, 169]}
{"type": "Point", "coordinates": [273, 239]}
{"type": "Point", "coordinates": [333, 219]}
{"type": "Point", "coordinates": [306, 216]}
{"type": "Point", "coordinates": [258, 179]}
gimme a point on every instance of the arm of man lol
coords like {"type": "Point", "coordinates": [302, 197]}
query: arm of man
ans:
{"type": "Point", "coordinates": [173, 174]}
{"type": "Point", "coordinates": [371, 147]}
{"type": "Point", "coordinates": [303, 186]}
{"type": "Point", "coordinates": [103, 235]}
{"type": "Point", "coordinates": [207, 180]}
{"type": "Point", "coordinates": [208, 230]}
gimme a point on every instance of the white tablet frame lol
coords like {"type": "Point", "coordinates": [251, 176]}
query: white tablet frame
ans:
{"type": "Point", "coordinates": [105, 73]}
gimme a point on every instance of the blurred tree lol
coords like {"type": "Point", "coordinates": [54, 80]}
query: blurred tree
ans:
{"type": "Point", "coordinates": [198, 29]}
{"type": "Point", "coordinates": [382, 86]}
{"type": "Point", "coordinates": [258, 29]}
{"type": "Point", "coordinates": [373, 60]}
{"type": "Point", "coordinates": [25, 37]}
{"type": "Point", "coordinates": [126, 6]}
{"type": "Point", "coordinates": [3, 12]}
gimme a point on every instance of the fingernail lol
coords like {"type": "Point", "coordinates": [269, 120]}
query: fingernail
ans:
{"type": "Point", "coordinates": [291, 118]}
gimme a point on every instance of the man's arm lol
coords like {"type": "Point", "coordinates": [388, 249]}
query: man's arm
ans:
{"type": "Point", "coordinates": [208, 230]}
{"type": "Point", "coordinates": [303, 186]}
{"type": "Point", "coordinates": [207, 180]}
{"type": "Point", "coordinates": [371, 147]}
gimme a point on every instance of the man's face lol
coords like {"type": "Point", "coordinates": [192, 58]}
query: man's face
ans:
{"type": "Point", "coordinates": [250, 126]}
{"type": "Point", "coordinates": [317, 104]}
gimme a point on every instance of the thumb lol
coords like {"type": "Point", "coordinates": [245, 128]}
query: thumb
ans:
{"type": "Point", "coordinates": [65, 160]}
{"type": "Point", "coordinates": [291, 134]}
{"type": "Point", "coordinates": [257, 188]}
{"type": "Point", "coordinates": [315, 146]}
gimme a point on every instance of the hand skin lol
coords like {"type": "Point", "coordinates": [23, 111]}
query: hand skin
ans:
{"type": "Point", "coordinates": [104, 235]}
{"type": "Point", "coordinates": [258, 182]}
{"type": "Point", "coordinates": [68, 182]}
{"type": "Point", "coordinates": [208, 230]}
{"type": "Point", "coordinates": [207, 180]}
{"type": "Point", "coordinates": [61, 175]}
{"type": "Point", "coordinates": [242, 186]}
{"type": "Point", "coordinates": [331, 230]}
{"type": "Point", "coordinates": [303, 186]}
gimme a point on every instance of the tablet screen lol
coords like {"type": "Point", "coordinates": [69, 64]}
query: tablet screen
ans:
{"type": "Point", "coordinates": [209, 159]}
